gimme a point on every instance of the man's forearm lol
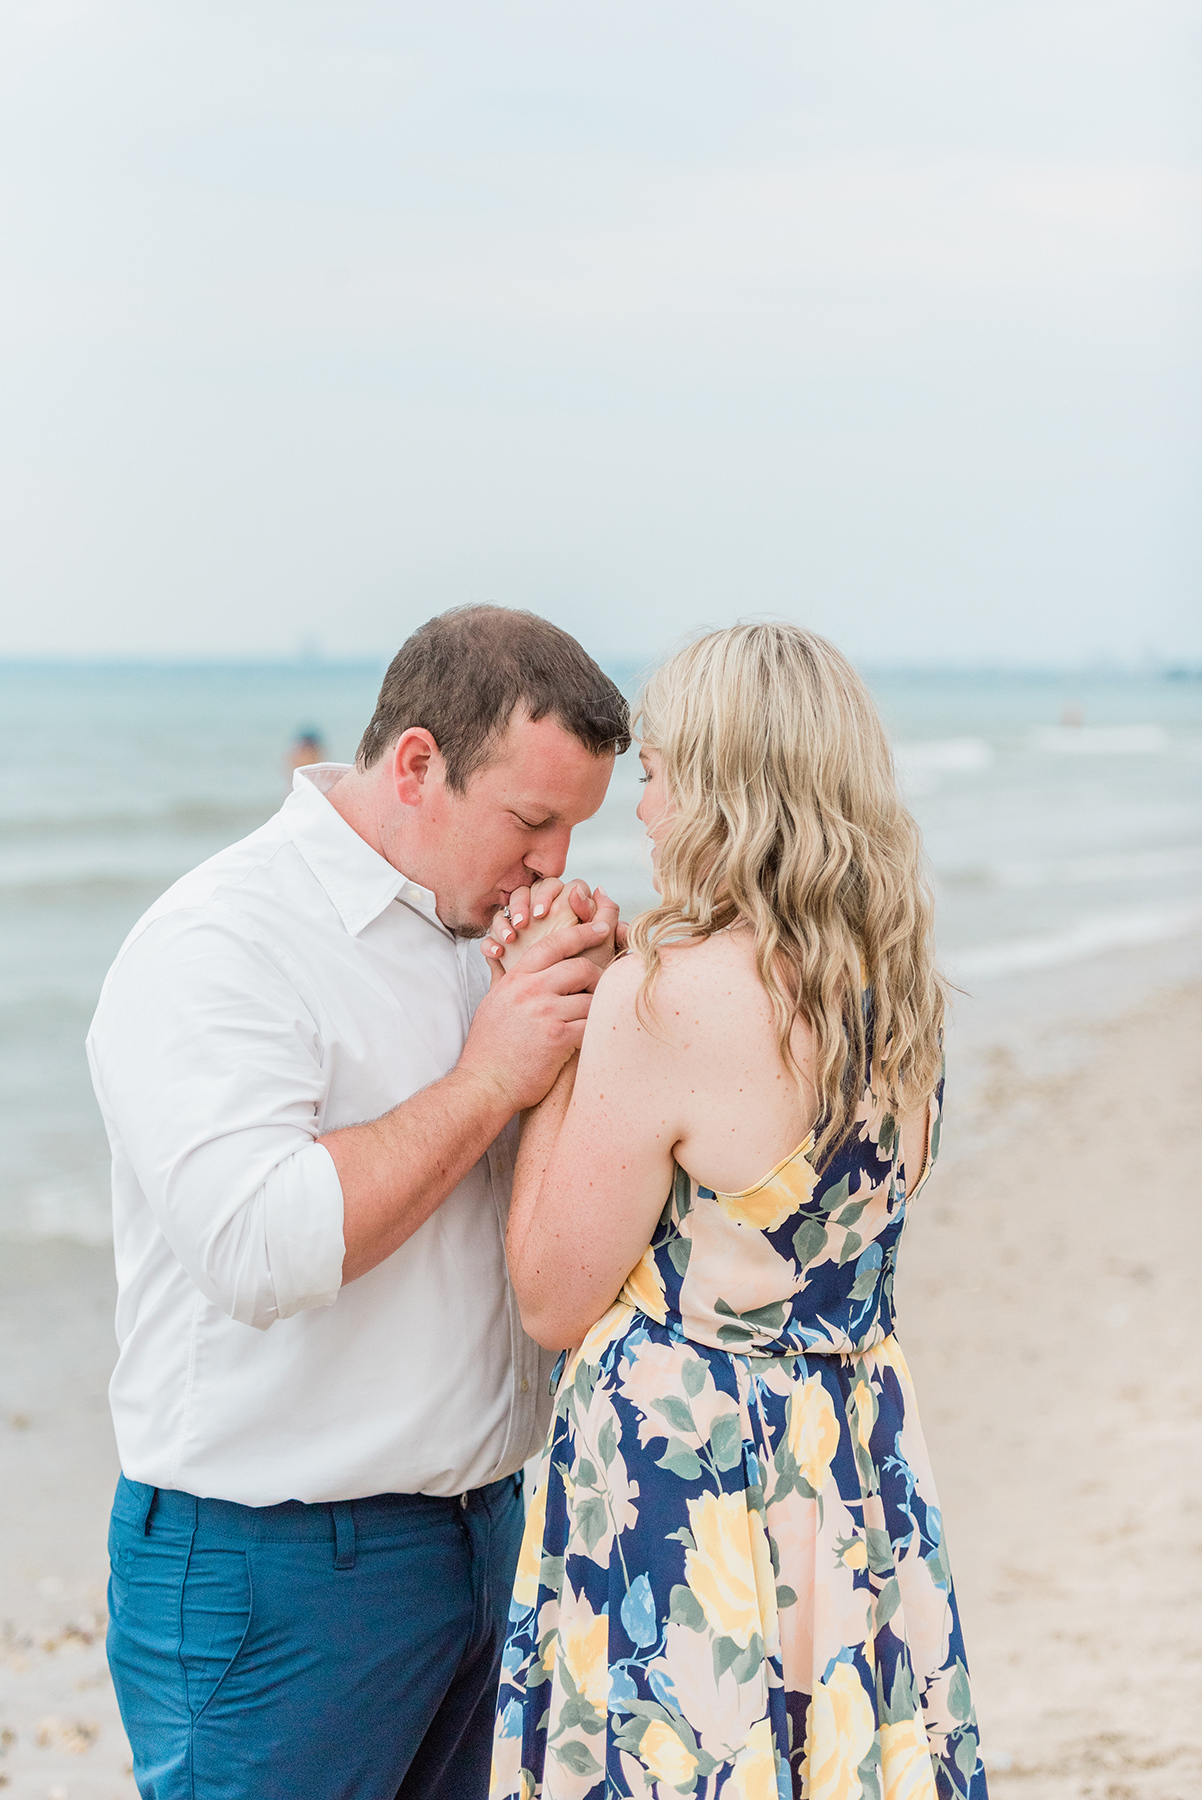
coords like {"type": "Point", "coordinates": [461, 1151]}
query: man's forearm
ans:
{"type": "Point", "coordinates": [398, 1170]}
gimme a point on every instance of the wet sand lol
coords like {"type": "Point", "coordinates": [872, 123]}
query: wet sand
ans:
{"type": "Point", "coordinates": [1047, 1308]}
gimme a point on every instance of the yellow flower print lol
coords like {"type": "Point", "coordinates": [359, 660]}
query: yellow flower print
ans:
{"type": "Point", "coordinates": [767, 1207]}
{"type": "Point", "coordinates": [813, 1431]}
{"type": "Point", "coordinates": [721, 1570]}
{"type": "Point", "coordinates": [889, 1354]}
{"type": "Point", "coordinates": [856, 1554]}
{"type": "Point", "coordinates": [665, 1757]}
{"type": "Point", "coordinates": [765, 1579]}
{"type": "Point", "coordinates": [584, 1647]}
{"type": "Point", "coordinates": [644, 1288]}
{"type": "Point", "coordinates": [525, 1586]}
{"type": "Point", "coordinates": [865, 1405]}
{"type": "Point", "coordinates": [840, 1728]}
{"type": "Point", "coordinates": [906, 1772]}
{"type": "Point", "coordinates": [754, 1774]}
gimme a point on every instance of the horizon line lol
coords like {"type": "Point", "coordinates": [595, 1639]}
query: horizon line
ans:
{"type": "Point", "coordinates": [1167, 667]}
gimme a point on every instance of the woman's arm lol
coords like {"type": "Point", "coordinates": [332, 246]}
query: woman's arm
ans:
{"type": "Point", "coordinates": [594, 1169]}
{"type": "Point", "coordinates": [540, 1130]}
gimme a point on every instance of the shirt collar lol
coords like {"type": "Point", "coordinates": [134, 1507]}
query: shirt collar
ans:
{"type": "Point", "coordinates": [358, 880]}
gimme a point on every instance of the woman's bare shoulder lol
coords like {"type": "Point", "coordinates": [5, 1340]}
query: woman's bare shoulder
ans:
{"type": "Point", "coordinates": [696, 984]}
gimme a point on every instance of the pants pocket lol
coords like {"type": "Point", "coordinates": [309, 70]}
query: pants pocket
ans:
{"type": "Point", "coordinates": [215, 1609]}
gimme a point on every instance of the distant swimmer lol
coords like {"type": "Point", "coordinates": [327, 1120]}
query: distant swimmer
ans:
{"type": "Point", "coordinates": [308, 747]}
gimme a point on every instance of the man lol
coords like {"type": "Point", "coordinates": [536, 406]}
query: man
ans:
{"type": "Point", "coordinates": [323, 1396]}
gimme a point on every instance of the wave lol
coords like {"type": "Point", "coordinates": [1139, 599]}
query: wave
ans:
{"type": "Point", "coordinates": [962, 755]}
{"type": "Point", "coordinates": [70, 890]}
{"type": "Point", "coordinates": [183, 816]}
{"type": "Point", "coordinates": [1090, 936]}
{"type": "Point", "coordinates": [1129, 865]}
{"type": "Point", "coordinates": [1101, 740]}
{"type": "Point", "coordinates": [72, 1207]}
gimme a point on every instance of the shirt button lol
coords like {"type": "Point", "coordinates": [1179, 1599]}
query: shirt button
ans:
{"type": "Point", "coordinates": [523, 1386]}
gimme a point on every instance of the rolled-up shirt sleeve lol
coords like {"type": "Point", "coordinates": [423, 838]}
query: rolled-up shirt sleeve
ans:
{"type": "Point", "coordinates": [208, 1065]}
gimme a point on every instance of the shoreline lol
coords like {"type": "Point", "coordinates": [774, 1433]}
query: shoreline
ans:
{"type": "Point", "coordinates": [1044, 1309]}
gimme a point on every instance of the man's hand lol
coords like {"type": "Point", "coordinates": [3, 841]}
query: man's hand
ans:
{"type": "Point", "coordinates": [528, 1025]}
{"type": "Point", "coordinates": [399, 1169]}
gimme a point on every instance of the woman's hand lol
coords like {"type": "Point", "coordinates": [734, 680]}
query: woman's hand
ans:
{"type": "Point", "coordinates": [548, 906]}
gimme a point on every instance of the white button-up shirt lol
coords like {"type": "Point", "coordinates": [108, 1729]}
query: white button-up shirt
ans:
{"type": "Point", "coordinates": [293, 984]}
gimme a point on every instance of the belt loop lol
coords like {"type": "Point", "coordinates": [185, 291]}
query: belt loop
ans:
{"type": "Point", "coordinates": [146, 1506]}
{"type": "Point", "coordinates": [344, 1534]}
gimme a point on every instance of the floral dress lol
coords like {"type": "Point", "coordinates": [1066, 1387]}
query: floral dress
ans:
{"type": "Point", "coordinates": [734, 1582]}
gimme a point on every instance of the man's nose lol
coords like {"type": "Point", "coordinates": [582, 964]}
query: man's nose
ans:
{"type": "Point", "coordinates": [551, 856]}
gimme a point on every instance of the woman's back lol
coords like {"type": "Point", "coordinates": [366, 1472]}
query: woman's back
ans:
{"type": "Point", "coordinates": [739, 1110]}
{"type": "Point", "coordinates": [802, 1256]}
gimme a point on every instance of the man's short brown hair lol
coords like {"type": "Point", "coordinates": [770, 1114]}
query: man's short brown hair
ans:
{"type": "Point", "coordinates": [464, 674]}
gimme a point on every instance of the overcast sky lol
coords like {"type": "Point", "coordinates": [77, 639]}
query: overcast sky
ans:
{"type": "Point", "coordinates": [322, 315]}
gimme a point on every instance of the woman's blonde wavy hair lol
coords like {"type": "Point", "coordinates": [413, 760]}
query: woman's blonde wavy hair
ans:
{"type": "Point", "coordinates": [787, 817]}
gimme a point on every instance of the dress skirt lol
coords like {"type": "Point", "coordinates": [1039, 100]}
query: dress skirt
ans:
{"type": "Point", "coordinates": [733, 1584]}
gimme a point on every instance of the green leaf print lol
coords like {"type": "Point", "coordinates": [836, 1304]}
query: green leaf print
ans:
{"type": "Point", "coordinates": [852, 1245]}
{"type": "Point", "coordinates": [766, 1318]}
{"type": "Point", "coordinates": [675, 1411]}
{"type": "Point", "coordinates": [852, 1211]}
{"type": "Point", "coordinates": [726, 1653]}
{"type": "Point", "coordinates": [869, 1773]}
{"type": "Point", "coordinates": [865, 1282]}
{"type": "Point", "coordinates": [578, 1757]}
{"type": "Point", "coordinates": [748, 1663]}
{"type": "Point", "coordinates": [680, 1461]}
{"type": "Point", "coordinates": [726, 1441]}
{"type": "Point", "coordinates": [679, 1251]}
{"type": "Point", "coordinates": [936, 1561]}
{"type": "Point", "coordinates": [887, 1135]}
{"type": "Point", "coordinates": [550, 1573]}
{"type": "Point", "coordinates": [627, 1736]}
{"type": "Point", "coordinates": [959, 1694]}
{"type": "Point", "coordinates": [880, 1551]}
{"type": "Point", "coordinates": [837, 1196]}
{"type": "Point", "coordinates": [808, 1240]}
{"type": "Point", "coordinates": [592, 1520]}
{"type": "Point", "coordinates": [586, 1473]}
{"type": "Point", "coordinates": [583, 1384]}
{"type": "Point", "coordinates": [684, 1608]}
{"type": "Point", "coordinates": [607, 1442]}
{"type": "Point", "coordinates": [888, 1602]}
{"type": "Point", "coordinates": [735, 1334]}
{"type": "Point", "coordinates": [966, 1752]}
{"type": "Point", "coordinates": [785, 1597]}
{"type": "Point", "coordinates": [692, 1377]}
{"type": "Point", "coordinates": [902, 1703]}
{"type": "Point", "coordinates": [682, 1194]}
{"type": "Point", "coordinates": [576, 1713]}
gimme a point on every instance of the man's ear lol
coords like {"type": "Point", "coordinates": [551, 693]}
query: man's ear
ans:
{"type": "Point", "coordinates": [414, 756]}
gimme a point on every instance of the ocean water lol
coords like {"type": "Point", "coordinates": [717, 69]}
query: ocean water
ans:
{"type": "Point", "coordinates": [1050, 842]}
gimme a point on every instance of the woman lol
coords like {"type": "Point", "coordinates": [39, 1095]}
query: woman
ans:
{"type": "Point", "coordinates": [733, 1582]}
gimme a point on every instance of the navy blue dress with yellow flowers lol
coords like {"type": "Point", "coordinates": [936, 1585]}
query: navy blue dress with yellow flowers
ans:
{"type": "Point", "coordinates": [733, 1583]}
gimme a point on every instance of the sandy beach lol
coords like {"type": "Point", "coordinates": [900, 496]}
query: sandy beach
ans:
{"type": "Point", "coordinates": [1047, 1310]}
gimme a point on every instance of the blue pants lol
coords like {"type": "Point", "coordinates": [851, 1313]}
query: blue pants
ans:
{"type": "Point", "coordinates": [342, 1652]}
